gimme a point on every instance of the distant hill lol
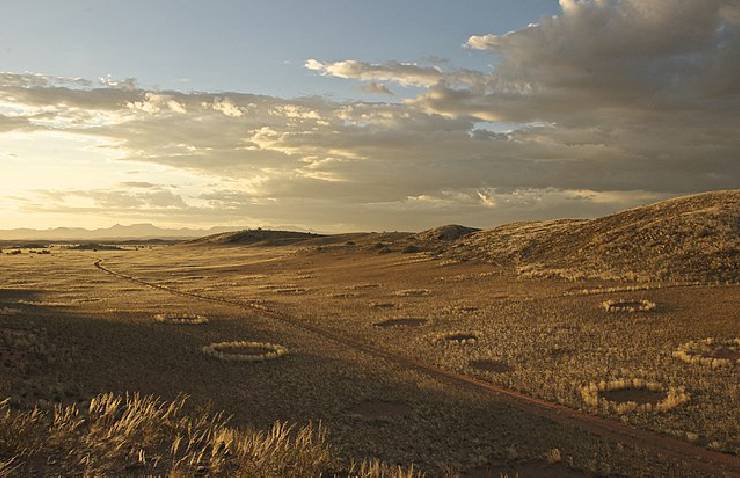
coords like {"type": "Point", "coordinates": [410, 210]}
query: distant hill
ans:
{"type": "Point", "coordinates": [450, 232]}
{"type": "Point", "coordinates": [685, 238]}
{"type": "Point", "coordinates": [117, 232]}
{"type": "Point", "coordinates": [254, 237]}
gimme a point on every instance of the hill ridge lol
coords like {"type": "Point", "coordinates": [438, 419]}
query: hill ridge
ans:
{"type": "Point", "coordinates": [684, 238]}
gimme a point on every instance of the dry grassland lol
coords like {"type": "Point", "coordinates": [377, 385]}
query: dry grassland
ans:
{"type": "Point", "coordinates": [401, 356]}
{"type": "Point", "coordinates": [74, 332]}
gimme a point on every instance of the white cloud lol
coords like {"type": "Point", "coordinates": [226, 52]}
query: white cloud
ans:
{"type": "Point", "coordinates": [405, 74]}
{"type": "Point", "coordinates": [483, 42]}
{"type": "Point", "coordinates": [225, 106]}
{"type": "Point", "coordinates": [154, 103]}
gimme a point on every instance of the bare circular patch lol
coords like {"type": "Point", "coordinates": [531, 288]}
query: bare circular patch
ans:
{"type": "Point", "coordinates": [382, 305]}
{"type": "Point", "coordinates": [628, 305]}
{"type": "Point", "coordinates": [181, 319]}
{"type": "Point", "coordinates": [278, 286]}
{"type": "Point", "coordinates": [244, 351]}
{"type": "Point", "coordinates": [291, 291]}
{"type": "Point", "coordinates": [637, 395]}
{"type": "Point", "coordinates": [490, 365]}
{"type": "Point", "coordinates": [627, 395]}
{"type": "Point", "coordinates": [728, 353]}
{"type": "Point", "coordinates": [412, 293]}
{"type": "Point", "coordinates": [462, 338]}
{"type": "Point", "coordinates": [401, 323]}
{"type": "Point", "coordinates": [468, 308]}
{"type": "Point", "coordinates": [363, 286]}
{"type": "Point", "coordinates": [343, 295]}
{"type": "Point", "coordinates": [710, 352]}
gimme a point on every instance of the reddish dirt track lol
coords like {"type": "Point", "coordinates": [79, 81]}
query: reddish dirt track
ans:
{"type": "Point", "coordinates": [703, 459]}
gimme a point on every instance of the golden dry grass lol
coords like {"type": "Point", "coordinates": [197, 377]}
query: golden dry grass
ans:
{"type": "Point", "coordinates": [135, 435]}
{"type": "Point", "coordinates": [553, 336]}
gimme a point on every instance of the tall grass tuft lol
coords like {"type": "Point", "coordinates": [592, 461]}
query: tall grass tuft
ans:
{"type": "Point", "coordinates": [143, 435]}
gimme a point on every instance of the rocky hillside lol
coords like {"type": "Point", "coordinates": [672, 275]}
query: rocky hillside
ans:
{"type": "Point", "coordinates": [682, 239]}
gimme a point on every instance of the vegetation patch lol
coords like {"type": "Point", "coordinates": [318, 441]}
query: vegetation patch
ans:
{"type": "Point", "coordinates": [244, 351]}
{"type": "Point", "coordinates": [625, 305]}
{"type": "Point", "coordinates": [181, 319]}
{"type": "Point", "coordinates": [408, 322]}
{"type": "Point", "coordinates": [626, 395]}
{"type": "Point", "coordinates": [382, 305]}
{"type": "Point", "coordinates": [458, 337]}
{"type": "Point", "coordinates": [710, 352]}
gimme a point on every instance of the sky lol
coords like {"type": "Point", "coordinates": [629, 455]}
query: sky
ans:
{"type": "Point", "coordinates": [350, 115]}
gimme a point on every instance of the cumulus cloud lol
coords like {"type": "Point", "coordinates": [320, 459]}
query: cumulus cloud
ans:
{"type": "Point", "coordinates": [488, 41]}
{"type": "Point", "coordinates": [627, 57]}
{"type": "Point", "coordinates": [405, 74]}
{"type": "Point", "coordinates": [225, 106]}
{"type": "Point", "coordinates": [154, 103]}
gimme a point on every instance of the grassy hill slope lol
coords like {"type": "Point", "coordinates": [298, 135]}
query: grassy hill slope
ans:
{"type": "Point", "coordinates": [685, 238]}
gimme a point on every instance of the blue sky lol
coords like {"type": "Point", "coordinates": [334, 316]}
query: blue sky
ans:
{"type": "Point", "coordinates": [246, 46]}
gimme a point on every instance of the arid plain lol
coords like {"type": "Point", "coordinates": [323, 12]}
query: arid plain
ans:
{"type": "Point", "coordinates": [424, 349]}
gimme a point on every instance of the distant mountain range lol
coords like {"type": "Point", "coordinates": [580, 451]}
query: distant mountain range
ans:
{"type": "Point", "coordinates": [117, 232]}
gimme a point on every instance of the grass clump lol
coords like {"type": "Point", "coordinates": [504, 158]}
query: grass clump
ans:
{"type": "Point", "coordinates": [144, 436]}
